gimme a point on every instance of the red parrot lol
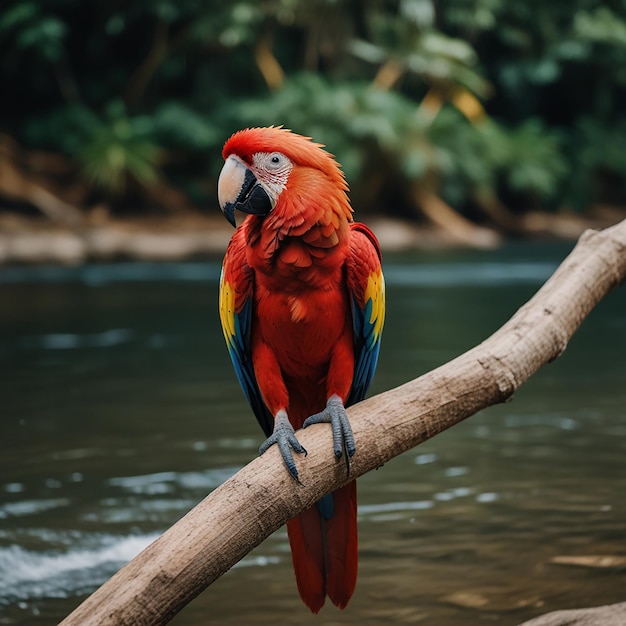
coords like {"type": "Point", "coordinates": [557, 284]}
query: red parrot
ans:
{"type": "Point", "coordinates": [302, 306]}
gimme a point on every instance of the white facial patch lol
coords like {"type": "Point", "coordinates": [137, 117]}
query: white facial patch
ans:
{"type": "Point", "coordinates": [272, 171]}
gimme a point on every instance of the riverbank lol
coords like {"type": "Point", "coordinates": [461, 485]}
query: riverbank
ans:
{"type": "Point", "coordinates": [31, 240]}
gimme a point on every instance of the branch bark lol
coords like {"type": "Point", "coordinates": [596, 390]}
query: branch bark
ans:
{"type": "Point", "coordinates": [261, 497]}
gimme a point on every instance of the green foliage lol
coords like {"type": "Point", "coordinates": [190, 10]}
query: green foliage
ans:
{"type": "Point", "coordinates": [345, 115]}
{"type": "Point", "coordinates": [601, 26]}
{"type": "Point", "coordinates": [410, 39]}
{"type": "Point", "coordinates": [141, 90]}
{"type": "Point", "coordinates": [534, 164]}
{"type": "Point", "coordinates": [464, 157]}
{"type": "Point", "coordinates": [599, 163]}
{"type": "Point", "coordinates": [34, 31]}
{"type": "Point", "coordinates": [178, 126]}
{"type": "Point", "coordinates": [119, 148]}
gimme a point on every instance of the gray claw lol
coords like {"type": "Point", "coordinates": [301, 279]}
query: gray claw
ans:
{"type": "Point", "coordinates": [283, 436]}
{"type": "Point", "coordinates": [335, 415]}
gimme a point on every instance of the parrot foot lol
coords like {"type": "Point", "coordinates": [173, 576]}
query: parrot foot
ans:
{"type": "Point", "coordinates": [283, 436]}
{"type": "Point", "coordinates": [335, 415]}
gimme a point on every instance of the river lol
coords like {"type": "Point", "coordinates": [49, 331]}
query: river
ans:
{"type": "Point", "coordinates": [120, 411]}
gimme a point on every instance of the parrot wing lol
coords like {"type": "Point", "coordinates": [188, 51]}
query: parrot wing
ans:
{"type": "Point", "coordinates": [235, 306]}
{"type": "Point", "coordinates": [367, 289]}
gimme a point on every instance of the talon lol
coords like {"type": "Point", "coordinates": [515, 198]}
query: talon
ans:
{"type": "Point", "coordinates": [343, 438]}
{"type": "Point", "coordinates": [283, 436]}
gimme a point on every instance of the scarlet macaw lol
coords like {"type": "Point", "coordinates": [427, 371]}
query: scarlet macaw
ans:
{"type": "Point", "coordinates": [302, 306]}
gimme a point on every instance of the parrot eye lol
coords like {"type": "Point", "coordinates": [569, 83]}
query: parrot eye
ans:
{"type": "Point", "coordinates": [276, 161]}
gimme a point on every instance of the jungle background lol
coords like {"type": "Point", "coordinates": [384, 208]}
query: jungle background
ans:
{"type": "Point", "coordinates": [470, 119]}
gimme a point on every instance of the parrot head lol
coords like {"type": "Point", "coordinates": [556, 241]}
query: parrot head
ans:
{"type": "Point", "coordinates": [259, 163]}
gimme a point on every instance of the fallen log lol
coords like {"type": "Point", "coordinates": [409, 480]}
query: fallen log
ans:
{"type": "Point", "coordinates": [261, 497]}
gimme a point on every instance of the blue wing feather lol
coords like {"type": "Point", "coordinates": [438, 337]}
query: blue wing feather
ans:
{"type": "Point", "coordinates": [235, 306]}
{"type": "Point", "coordinates": [366, 349]}
{"type": "Point", "coordinates": [367, 286]}
{"type": "Point", "coordinates": [239, 350]}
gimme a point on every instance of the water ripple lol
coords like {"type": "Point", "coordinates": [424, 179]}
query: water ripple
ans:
{"type": "Point", "coordinates": [26, 574]}
{"type": "Point", "coordinates": [418, 505]}
{"type": "Point", "coordinates": [163, 482]}
{"type": "Point", "coordinates": [71, 341]}
{"type": "Point", "coordinates": [30, 507]}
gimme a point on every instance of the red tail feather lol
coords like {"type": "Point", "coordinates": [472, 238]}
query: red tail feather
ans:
{"type": "Point", "coordinates": [325, 551]}
{"type": "Point", "coordinates": [342, 547]}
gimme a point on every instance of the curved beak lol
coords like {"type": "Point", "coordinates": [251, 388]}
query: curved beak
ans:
{"type": "Point", "coordinates": [238, 188]}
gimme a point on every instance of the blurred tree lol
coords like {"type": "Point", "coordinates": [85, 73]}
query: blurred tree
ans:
{"type": "Point", "coordinates": [487, 106]}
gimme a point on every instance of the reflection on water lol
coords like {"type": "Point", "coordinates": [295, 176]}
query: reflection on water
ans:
{"type": "Point", "coordinates": [120, 412]}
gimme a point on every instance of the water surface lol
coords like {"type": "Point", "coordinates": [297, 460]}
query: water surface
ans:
{"type": "Point", "coordinates": [120, 411]}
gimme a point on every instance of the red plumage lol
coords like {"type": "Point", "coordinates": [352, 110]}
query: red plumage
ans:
{"type": "Point", "coordinates": [296, 286]}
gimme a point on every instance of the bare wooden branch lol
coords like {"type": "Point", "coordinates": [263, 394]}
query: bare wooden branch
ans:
{"type": "Point", "coordinates": [261, 497]}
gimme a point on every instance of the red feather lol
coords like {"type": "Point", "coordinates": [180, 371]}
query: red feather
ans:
{"type": "Point", "coordinates": [301, 267]}
{"type": "Point", "coordinates": [325, 552]}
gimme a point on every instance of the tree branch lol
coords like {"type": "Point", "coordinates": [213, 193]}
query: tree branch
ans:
{"type": "Point", "coordinates": [261, 497]}
{"type": "Point", "coordinates": [267, 62]}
